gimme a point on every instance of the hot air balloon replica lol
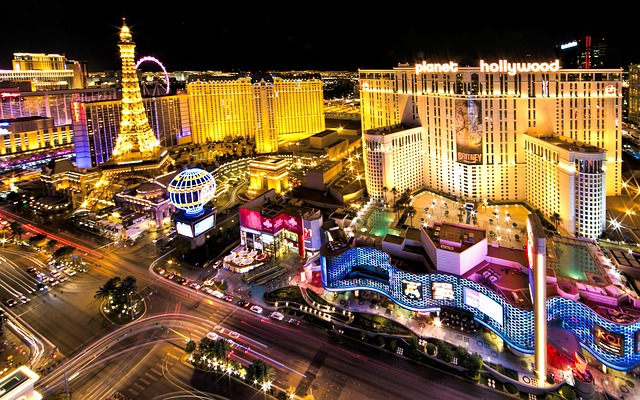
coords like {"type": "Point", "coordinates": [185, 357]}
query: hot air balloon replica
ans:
{"type": "Point", "coordinates": [190, 191]}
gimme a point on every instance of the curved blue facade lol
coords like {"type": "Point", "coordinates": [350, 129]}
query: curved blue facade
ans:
{"type": "Point", "coordinates": [615, 345]}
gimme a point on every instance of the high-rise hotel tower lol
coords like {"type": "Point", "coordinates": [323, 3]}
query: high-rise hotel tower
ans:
{"type": "Point", "coordinates": [502, 131]}
{"type": "Point", "coordinates": [267, 109]}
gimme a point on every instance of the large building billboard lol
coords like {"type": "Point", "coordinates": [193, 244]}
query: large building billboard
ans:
{"type": "Point", "coordinates": [468, 127]}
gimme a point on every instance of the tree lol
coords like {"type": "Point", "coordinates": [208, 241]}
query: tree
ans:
{"type": "Point", "coordinates": [260, 373]}
{"type": "Point", "coordinates": [190, 347]}
{"type": "Point", "coordinates": [63, 253]}
{"type": "Point", "coordinates": [556, 219]}
{"type": "Point", "coordinates": [411, 212]}
{"type": "Point", "coordinates": [384, 192]}
{"type": "Point", "coordinates": [51, 244]}
{"type": "Point", "coordinates": [394, 191]}
{"type": "Point", "coordinates": [38, 240]}
{"type": "Point", "coordinates": [108, 289]}
{"type": "Point", "coordinates": [125, 290]}
{"type": "Point", "coordinates": [220, 349]}
{"type": "Point", "coordinates": [16, 229]}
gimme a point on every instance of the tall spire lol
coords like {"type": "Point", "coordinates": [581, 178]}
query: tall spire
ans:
{"type": "Point", "coordinates": [136, 140]}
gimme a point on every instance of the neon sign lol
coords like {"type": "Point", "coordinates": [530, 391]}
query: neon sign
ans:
{"type": "Point", "coordinates": [514, 68]}
{"type": "Point", "coordinates": [500, 66]}
{"type": "Point", "coordinates": [608, 341]}
{"type": "Point", "coordinates": [568, 45]}
{"type": "Point", "coordinates": [448, 67]}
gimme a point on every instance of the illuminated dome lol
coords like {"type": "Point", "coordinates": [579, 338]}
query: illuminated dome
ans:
{"type": "Point", "coordinates": [191, 189]}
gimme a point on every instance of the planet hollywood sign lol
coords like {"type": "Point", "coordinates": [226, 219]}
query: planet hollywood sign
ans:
{"type": "Point", "coordinates": [503, 66]}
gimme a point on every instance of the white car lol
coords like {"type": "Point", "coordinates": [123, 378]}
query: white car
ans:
{"type": "Point", "coordinates": [218, 294]}
{"type": "Point", "coordinates": [212, 336]}
{"type": "Point", "coordinates": [256, 309]}
{"type": "Point", "coordinates": [276, 315]}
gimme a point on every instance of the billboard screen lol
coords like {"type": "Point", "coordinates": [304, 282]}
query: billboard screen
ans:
{"type": "Point", "coordinates": [442, 291]}
{"type": "Point", "coordinates": [413, 290]}
{"type": "Point", "coordinates": [468, 127]}
{"type": "Point", "coordinates": [608, 341]}
{"type": "Point", "coordinates": [203, 226]}
{"type": "Point", "coordinates": [250, 219]}
{"type": "Point", "coordinates": [484, 304]}
{"type": "Point", "coordinates": [183, 229]}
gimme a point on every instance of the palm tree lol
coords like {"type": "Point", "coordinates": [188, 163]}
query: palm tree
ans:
{"type": "Point", "coordinates": [394, 191]}
{"type": "Point", "coordinates": [125, 289]}
{"type": "Point", "coordinates": [260, 373]}
{"type": "Point", "coordinates": [556, 219]}
{"type": "Point", "coordinates": [396, 209]}
{"type": "Point", "coordinates": [384, 192]}
{"type": "Point", "coordinates": [411, 211]}
{"type": "Point", "coordinates": [16, 229]}
{"type": "Point", "coordinates": [108, 289]}
{"type": "Point", "coordinates": [221, 349]}
{"type": "Point", "coordinates": [51, 244]}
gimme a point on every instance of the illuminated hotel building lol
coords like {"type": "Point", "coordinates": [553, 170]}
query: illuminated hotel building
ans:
{"type": "Point", "coordinates": [264, 108]}
{"type": "Point", "coordinates": [45, 71]}
{"type": "Point", "coordinates": [634, 93]}
{"type": "Point", "coordinates": [56, 104]}
{"type": "Point", "coordinates": [31, 134]}
{"type": "Point", "coordinates": [394, 154]}
{"type": "Point", "coordinates": [567, 178]}
{"type": "Point", "coordinates": [474, 122]}
{"type": "Point", "coordinates": [96, 125]}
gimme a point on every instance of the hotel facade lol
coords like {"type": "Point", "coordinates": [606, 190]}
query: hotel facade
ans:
{"type": "Point", "coordinates": [266, 108]}
{"type": "Point", "coordinates": [499, 132]}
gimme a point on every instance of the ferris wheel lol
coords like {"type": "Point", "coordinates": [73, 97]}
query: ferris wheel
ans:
{"type": "Point", "coordinates": [156, 87]}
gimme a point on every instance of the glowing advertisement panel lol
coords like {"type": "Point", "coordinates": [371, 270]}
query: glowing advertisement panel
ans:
{"type": "Point", "coordinates": [183, 229]}
{"type": "Point", "coordinates": [442, 291]}
{"type": "Point", "coordinates": [250, 219]}
{"type": "Point", "coordinates": [608, 341]}
{"type": "Point", "coordinates": [203, 226]}
{"type": "Point", "coordinates": [292, 224]}
{"type": "Point", "coordinates": [485, 304]}
{"type": "Point", "coordinates": [468, 127]}
{"type": "Point", "coordinates": [413, 290]}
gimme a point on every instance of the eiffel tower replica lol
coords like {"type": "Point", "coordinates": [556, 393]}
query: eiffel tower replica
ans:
{"type": "Point", "coordinates": [137, 154]}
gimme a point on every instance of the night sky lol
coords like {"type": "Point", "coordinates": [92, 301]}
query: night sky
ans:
{"type": "Point", "coordinates": [276, 36]}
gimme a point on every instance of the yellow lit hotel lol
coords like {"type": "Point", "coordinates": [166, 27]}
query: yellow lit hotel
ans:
{"type": "Point", "coordinates": [266, 108]}
{"type": "Point", "coordinates": [501, 131]}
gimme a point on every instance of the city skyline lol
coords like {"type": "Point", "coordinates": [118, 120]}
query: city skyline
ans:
{"type": "Point", "coordinates": [286, 38]}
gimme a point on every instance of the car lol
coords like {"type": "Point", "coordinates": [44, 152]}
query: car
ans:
{"type": "Point", "coordinates": [207, 289]}
{"type": "Point", "coordinates": [256, 309]}
{"type": "Point", "coordinates": [217, 264]}
{"type": "Point", "coordinates": [228, 298]}
{"type": "Point", "coordinates": [70, 271]}
{"type": "Point", "coordinates": [276, 315]}
{"type": "Point", "coordinates": [209, 282]}
{"type": "Point", "coordinates": [42, 287]}
{"type": "Point", "coordinates": [170, 276]}
{"type": "Point", "coordinates": [218, 294]}
{"type": "Point", "coordinates": [23, 298]}
{"type": "Point", "coordinates": [243, 303]}
{"type": "Point", "coordinates": [32, 270]}
{"type": "Point", "coordinates": [195, 285]}
{"type": "Point", "coordinates": [294, 321]}
{"type": "Point", "coordinates": [212, 335]}
{"type": "Point", "coordinates": [10, 302]}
